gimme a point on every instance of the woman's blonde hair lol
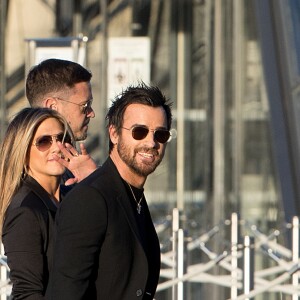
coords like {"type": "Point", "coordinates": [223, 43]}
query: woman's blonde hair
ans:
{"type": "Point", "coordinates": [14, 151]}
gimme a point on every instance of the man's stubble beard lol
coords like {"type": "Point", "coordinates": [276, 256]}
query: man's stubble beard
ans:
{"type": "Point", "coordinates": [81, 137]}
{"type": "Point", "coordinates": [130, 161]}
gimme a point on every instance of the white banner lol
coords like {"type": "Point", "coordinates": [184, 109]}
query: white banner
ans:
{"type": "Point", "coordinates": [128, 63]}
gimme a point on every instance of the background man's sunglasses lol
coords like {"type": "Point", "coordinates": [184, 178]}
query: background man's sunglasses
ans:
{"type": "Point", "coordinates": [140, 132]}
{"type": "Point", "coordinates": [85, 107]}
{"type": "Point", "coordinates": [44, 142]}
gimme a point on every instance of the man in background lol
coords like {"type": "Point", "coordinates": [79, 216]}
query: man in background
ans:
{"type": "Point", "coordinates": [65, 86]}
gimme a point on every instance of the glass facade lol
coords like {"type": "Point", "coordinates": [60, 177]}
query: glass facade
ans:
{"type": "Point", "coordinates": [208, 61]}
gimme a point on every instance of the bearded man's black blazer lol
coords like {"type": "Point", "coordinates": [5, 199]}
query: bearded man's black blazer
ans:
{"type": "Point", "coordinates": [99, 251]}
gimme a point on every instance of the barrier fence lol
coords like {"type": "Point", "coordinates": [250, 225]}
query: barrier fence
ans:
{"type": "Point", "coordinates": [237, 263]}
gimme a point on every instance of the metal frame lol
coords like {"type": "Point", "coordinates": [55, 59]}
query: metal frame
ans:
{"type": "Point", "coordinates": [242, 282]}
{"type": "Point", "coordinates": [78, 45]}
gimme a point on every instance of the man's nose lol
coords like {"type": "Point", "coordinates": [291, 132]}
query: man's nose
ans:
{"type": "Point", "coordinates": [150, 139]}
{"type": "Point", "coordinates": [91, 113]}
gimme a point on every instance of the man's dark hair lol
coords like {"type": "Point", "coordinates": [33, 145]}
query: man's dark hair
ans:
{"type": "Point", "coordinates": [140, 94]}
{"type": "Point", "coordinates": [53, 75]}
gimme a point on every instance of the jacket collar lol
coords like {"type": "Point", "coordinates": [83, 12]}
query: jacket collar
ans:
{"type": "Point", "coordinates": [36, 188]}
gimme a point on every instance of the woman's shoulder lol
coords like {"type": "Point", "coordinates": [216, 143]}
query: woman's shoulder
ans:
{"type": "Point", "coordinates": [32, 195]}
{"type": "Point", "coordinates": [26, 207]}
{"type": "Point", "coordinates": [26, 197]}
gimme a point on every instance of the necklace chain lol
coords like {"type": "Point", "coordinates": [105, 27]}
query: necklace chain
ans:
{"type": "Point", "coordinates": [138, 203]}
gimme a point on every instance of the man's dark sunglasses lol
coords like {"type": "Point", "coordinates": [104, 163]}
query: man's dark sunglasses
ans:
{"type": "Point", "coordinates": [140, 132]}
{"type": "Point", "coordinates": [44, 142]}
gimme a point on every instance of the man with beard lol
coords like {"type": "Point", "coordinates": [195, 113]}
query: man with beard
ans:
{"type": "Point", "coordinates": [65, 86]}
{"type": "Point", "coordinates": [107, 246]}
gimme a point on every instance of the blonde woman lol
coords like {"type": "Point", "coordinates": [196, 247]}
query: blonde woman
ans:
{"type": "Point", "coordinates": [29, 194]}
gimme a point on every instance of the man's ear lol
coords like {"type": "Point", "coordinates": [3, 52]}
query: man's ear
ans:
{"type": "Point", "coordinates": [114, 136]}
{"type": "Point", "coordinates": [50, 103]}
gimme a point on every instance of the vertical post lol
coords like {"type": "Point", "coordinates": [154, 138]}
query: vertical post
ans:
{"type": "Point", "coordinates": [180, 264]}
{"type": "Point", "coordinates": [248, 278]}
{"type": "Point", "coordinates": [180, 107]}
{"type": "Point", "coordinates": [218, 125]}
{"type": "Point", "coordinates": [77, 18]}
{"type": "Point", "coordinates": [218, 117]}
{"type": "Point", "coordinates": [75, 49]}
{"type": "Point", "coordinates": [181, 41]}
{"type": "Point", "coordinates": [238, 90]}
{"type": "Point", "coordinates": [175, 228]}
{"type": "Point", "coordinates": [104, 73]}
{"type": "Point", "coordinates": [295, 254]}
{"type": "Point", "coordinates": [234, 256]}
{"type": "Point", "coordinates": [3, 7]}
{"type": "Point", "coordinates": [178, 256]}
{"type": "Point", "coordinates": [3, 272]}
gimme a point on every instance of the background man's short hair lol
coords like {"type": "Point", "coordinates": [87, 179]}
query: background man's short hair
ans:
{"type": "Point", "coordinates": [51, 76]}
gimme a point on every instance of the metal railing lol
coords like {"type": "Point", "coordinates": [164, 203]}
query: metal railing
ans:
{"type": "Point", "coordinates": [237, 262]}
{"type": "Point", "coordinates": [241, 279]}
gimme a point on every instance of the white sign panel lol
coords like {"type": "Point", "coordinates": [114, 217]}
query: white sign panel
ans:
{"type": "Point", "coordinates": [66, 53]}
{"type": "Point", "coordinates": [129, 63]}
{"type": "Point", "coordinates": [43, 53]}
{"type": "Point", "coordinates": [73, 49]}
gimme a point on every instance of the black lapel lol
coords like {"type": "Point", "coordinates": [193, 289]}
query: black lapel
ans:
{"type": "Point", "coordinates": [40, 192]}
{"type": "Point", "coordinates": [123, 199]}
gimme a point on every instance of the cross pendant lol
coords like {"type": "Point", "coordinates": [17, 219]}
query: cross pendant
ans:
{"type": "Point", "coordinates": [138, 208]}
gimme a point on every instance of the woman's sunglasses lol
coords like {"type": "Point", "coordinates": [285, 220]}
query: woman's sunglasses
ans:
{"type": "Point", "coordinates": [140, 132]}
{"type": "Point", "coordinates": [44, 142]}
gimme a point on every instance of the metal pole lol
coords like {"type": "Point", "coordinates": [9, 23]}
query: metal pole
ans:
{"type": "Point", "coordinates": [175, 228]}
{"type": "Point", "coordinates": [295, 254]}
{"type": "Point", "coordinates": [180, 108]}
{"type": "Point", "coordinates": [103, 91]}
{"type": "Point", "coordinates": [218, 126]}
{"type": "Point", "coordinates": [180, 264]}
{"type": "Point", "coordinates": [181, 40]}
{"type": "Point", "coordinates": [3, 9]}
{"type": "Point", "coordinates": [238, 87]}
{"type": "Point", "coordinates": [248, 278]}
{"type": "Point", "coordinates": [4, 275]}
{"type": "Point", "coordinates": [178, 256]}
{"type": "Point", "coordinates": [234, 256]}
{"type": "Point", "coordinates": [77, 18]}
{"type": "Point", "coordinates": [218, 118]}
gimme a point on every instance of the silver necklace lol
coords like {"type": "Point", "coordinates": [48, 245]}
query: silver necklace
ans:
{"type": "Point", "coordinates": [138, 203]}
